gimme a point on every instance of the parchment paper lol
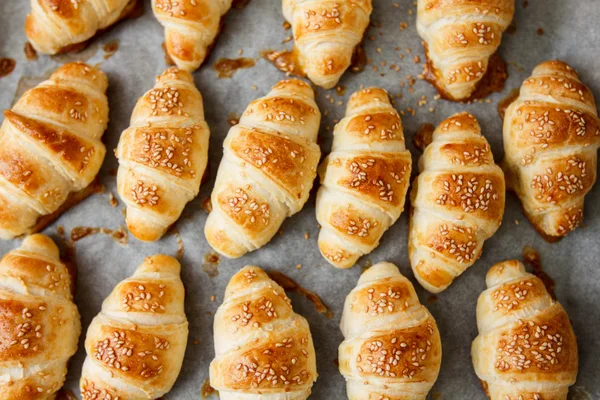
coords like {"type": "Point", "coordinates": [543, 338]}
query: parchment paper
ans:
{"type": "Point", "coordinates": [570, 32]}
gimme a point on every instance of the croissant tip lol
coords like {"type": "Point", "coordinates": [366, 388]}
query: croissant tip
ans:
{"type": "Point", "coordinates": [161, 263]}
{"type": "Point", "coordinates": [39, 242]}
{"type": "Point", "coordinates": [503, 272]}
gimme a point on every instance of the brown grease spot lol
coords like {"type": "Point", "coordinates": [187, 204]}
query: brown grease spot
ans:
{"type": "Point", "coordinates": [340, 90]}
{"type": "Point", "coordinates": [432, 299]}
{"type": "Point", "coordinates": [7, 66]}
{"type": "Point", "coordinates": [208, 390]}
{"type": "Point", "coordinates": [424, 136]}
{"type": "Point", "coordinates": [110, 49]}
{"type": "Point", "coordinates": [233, 119]}
{"type": "Point", "coordinates": [30, 52]}
{"type": "Point", "coordinates": [359, 59]}
{"type": "Point", "coordinates": [540, 31]}
{"type": "Point", "coordinates": [288, 284]}
{"type": "Point", "coordinates": [512, 28]}
{"type": "Point", "coordinates": [211, 263]}
{"type": "Point", "coordinates": [207, 205]}
{"type": "Point", "coordinates": [226, 67]}
{"type": "Point", "coordinates": [507, 101]}
{"type": "Point", "coordinates": [286, 25]}
{"type": "Point", "coordinates": [180, 245]}
{"type": "Point", "coordinates": [286, 61]}
{"type": "Point", "coordinates": [532, 258]}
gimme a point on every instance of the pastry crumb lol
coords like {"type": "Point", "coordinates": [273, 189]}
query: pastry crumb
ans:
{"type": "Point", "coordinates": [299, 266]}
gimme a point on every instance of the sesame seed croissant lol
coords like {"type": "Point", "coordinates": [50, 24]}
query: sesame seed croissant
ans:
{"type": "Point", "coordinates": [526, 348]}
{"type": "Point", "coordinates": [460, 37]}
{"type": "Point", "coordinates": [50, 148]}
{"type": "Point", "coordinates": [392, 348]}
{"type": "Point", "coordinates": [264, 350]}
{"type": "Point", "coordinates": [457, 200]}
{"type": "Point", "coordinates": [269, 164]}
{"type": "Point", "coordinates": [551, 139]}
{"type": "Point", "coordinates": [325, 35]}
{"type": "Point", "coordinates": [135, 345]}
{"type": "Point", "coordinates": [39, 323]}
{"type": "Point", "coordinates": [191, 27]}
{"type": "Point", "coordinates": [364, 180]}
{"type": "Point", "coordinates": [163, 154]}
{"type": "Point", "coordinates": [57, 26]}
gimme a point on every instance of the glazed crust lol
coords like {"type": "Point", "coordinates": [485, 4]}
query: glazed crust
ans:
{"type": "Point", "coordinates": [392, 347]}
{"type": "Point", "coordinates": [262, 347]}
{"type": "Point", "coordinates": [267, 171]}
{"type": "Point", "coordinates": [526, 346]}
{"type": "Point", "coordinates": [39, 323]}
{"type": "Point", "coordinates": [190, 28]}
{"type": "Point", "coordinates": [162, 155]}
{"type": "Point", "coordinates": [51, 146]}
{"type": "Point", "coordinates": [458, 203]}
{"type": "Point", "coordinates": [551, 139]}
{"type": "Point", "coordinates": [364, 180]}
{"type": "Point", "coordinates": [460, 37]}
{"type": "Point", "coordinates": [325, 35]}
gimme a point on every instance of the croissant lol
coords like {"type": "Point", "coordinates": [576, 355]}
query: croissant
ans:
{"type": "Point", "coordinates": [364, 180]}
{"type": "Point", "coordinates": [392, 348]}
{"type": "Point", "coordinates": [526, 348]}
{"type": "Point", "coordinates": [135, 346]}
{"type": "Point", "coordinates": [39, 323]}
{"type": "Point", "coordinates": [460, 37]}
{"type": "Point", "coordinates": [163, 154]}
{"type": "Point", "coordinates": [50, 148]}
{"type": "Point", "coordinates": [551, 139]}
{"type": "Point", "coordinates": [458, 203]}
{"type": "Point", "coordinates": [264, 350]}
{"type": "Point", "coordinates": [269, 164]}
{"type": "Point", "coordinates": [325, 35]}
{"type": "Point", "coordinates": [58, 26]}
{"type": "Point", "coordinates": [190, 28]}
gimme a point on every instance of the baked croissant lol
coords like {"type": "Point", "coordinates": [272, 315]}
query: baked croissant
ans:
{"type": "Point", "coordinates": [460, 37]}
{"type": "Point", "coordinates": [163, 154]}
{"type": "Point", "coordinates": [58, 26]}
{"type": "Point", "coordinates": [269, 164]}
{"type": "Point", "coordinates": [39, 323]}
{"type": "Point", "coordinates": [392, 348]}
{"type": "Point", "coordinates": [526, 348]}
{"type": "Point", "coordinates": [264, 350]}
{"type": "Point", "coordinates": [458, 203]}
{"type": "Point", "coordinates": [50, 148]}
{"type": "Point", "coordinates": [551, 139]}
{"type": "Point", "coordinates": [135, 346]}
{"type": "Point", "coordinates": [325, 35]}
{"type": "Point", "coordinates": [364, 180]}
{"type": "Point", "coordinates": [191, 27]}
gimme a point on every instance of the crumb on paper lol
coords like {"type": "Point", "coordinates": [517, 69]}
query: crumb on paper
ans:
{"type": "Point", "coordinates": [112, 200]}
{"type": "Point", "coordinates": [299, 266]}
{"type": "Point", "coordinates": [213, 298]}
{"type": "Point", "coordinates": [306, 236]}
{"type": "Point", "coordinates": [517, 222]}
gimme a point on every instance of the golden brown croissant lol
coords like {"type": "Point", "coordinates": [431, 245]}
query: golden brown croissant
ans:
{"type": "Point", "coordinates": [551, 139]}
{"type": "Point", "coordinates": [56, 26]}
{"type": "Point", "coordinates": [392, 348]}
{"type": "Point", "coordinates": [163, 154]}
{"type": "Point", "coordinates": [364, 180]}
{"type": "Point", "coordinates": [325, 35]}
{"type": "Point", "coordinates": [458, 203]}
{"type": "Point", "coordinates": [191, 27]}
{"type": "Point", "coordinates": [135, 346]}
{"type": "Point", "coordinates": [460, 37]}
{"type": "Point", "coordinates": [50, 146]}
{"type": "Point", "coordinates": [526, 348]}
{"type": "Point", "coordinates": [268, 168]}
{"type": "Point", "coordinates": [264, 350]}
{"type": "Point", "coordinates": [39, 323]}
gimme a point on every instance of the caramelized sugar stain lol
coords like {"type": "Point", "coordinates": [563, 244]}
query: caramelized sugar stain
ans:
{"type": "Point", "coordinates": [340, 90]}
{"type": "Point", "coordinates": [540, 31]}
{"type": "Point", "coordinates": [512, 28]}
{"type": "Point", "coordinates": [211, 264]}
{"type": "Point", "coordinates": [532, 258]}
{"type": "Point", "coordinates": [286, 25]}
{"type": "Point", "coordinates": [207, 205]}
{"type": "Point", "coordinates": [226, 67]}
{"type": "Point", "coordinates": [233, 119]}
{"type": "Point", "coordinates": [118, 235]}
{"type": "Point", "coordinates": [110, 49]}
{"type": "Point", "coordinates": [507, 101]}
{"type": "Point", "coordinates": [30, 52]}
{"type": "Point", "coordinates": [288, 284]}
{"type": "Point", "coordinates": [424, 136]}
{"type": "Point", "coordinates": [208, 390]}
{"type": "Point", "coordinates": [7, 66]}
{"type": "Point", "coordinates": [180, 245]}
{"type": "Point", "coordinates": [286, 61]}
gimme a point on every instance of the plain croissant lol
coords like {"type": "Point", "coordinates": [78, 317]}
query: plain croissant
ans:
{"type": "Point", "coordinates": [364, 180]}
{"type": "Point", "coordinates": [191, 27]}
{"type": "Point", "coordinates": [526, 348]}
{"type": "Point", "coordinates": [264, 350]}
{"type": "Point", "coordinates": [325, 35]}
{"type": "Point", "coordinates": [269, 164]}
{"type": "Point", "coordinates": [551, 139]}
{"type": "Point", "coordinates": [62, 25]}
{"type": "Point", "coordinates": [39, 323]}
{"type": "Point", "coordinates": [50, 147]}
{"type": "Point", "coordinates": [458, 203]}
{"type": "Point", "coordinates": [163, 154]}
{"type": "Point", "coordinates": [460, 37]}
{"type": "Point", "coordinates": [135, 346]}
{"type": "Point", "coordinates": [392, 347]}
